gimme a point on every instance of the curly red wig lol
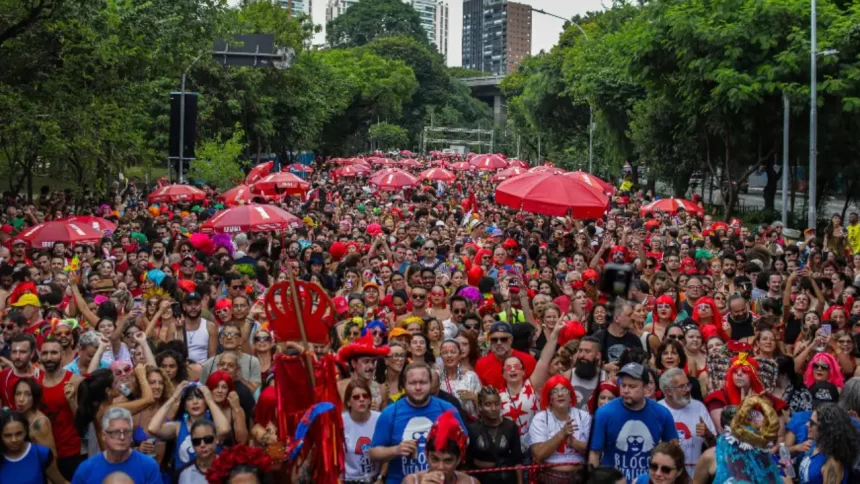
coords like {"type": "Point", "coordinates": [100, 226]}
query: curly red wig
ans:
{"type": "Point", "coordinates": [235, 456]}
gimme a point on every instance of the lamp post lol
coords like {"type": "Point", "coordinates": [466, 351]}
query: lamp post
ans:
{"type": "Point", "coordinates": [813, 129]}
{"type": "Point", "coordinates": [182, 118]}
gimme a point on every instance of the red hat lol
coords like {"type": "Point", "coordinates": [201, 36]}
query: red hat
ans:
{"type": "Point", "coordinates": [510, 244]}
{"type": "Point", "coordinates": [447, 428]}
{"type": "Point", "coordinates": [361, 347]}
{"type": "Point", "coordinates": [590, 274]}
{"type": "Point", "coordinates": [337, 250]}
{"type": "Point", "coordinates": [7, 229]}
{"type": "Point", "coordinates": [571, 331]}
{"type": "Point", "coordinates": [341, 305]}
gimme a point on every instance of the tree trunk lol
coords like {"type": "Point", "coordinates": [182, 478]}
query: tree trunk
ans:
{"type": "Point", "coordinates": [850, 192]}
{"type": "Point", "coordinates": [769, 193]}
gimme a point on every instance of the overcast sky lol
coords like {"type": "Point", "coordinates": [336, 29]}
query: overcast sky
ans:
{"type": "Point", "coordinates": [545, 29]}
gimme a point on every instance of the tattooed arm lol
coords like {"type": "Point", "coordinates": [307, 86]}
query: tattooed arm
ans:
{"type": "Point", "coordinates": [832, 472]}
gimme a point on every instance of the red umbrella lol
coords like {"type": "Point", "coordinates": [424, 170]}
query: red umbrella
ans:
{"type": "Point", "coordinates": [519, 163]}
{"type": "Point", "coordinates": [671, 206]}
{"type": "Point", "coordinates": [177, 193]}
{"type": "Point", "coordinates": [410, 163]}
{"type": "Point", "coordinates": [357, 169]}
{"type": "Point", "coordinates": [440, 163]}
{"type": "Point", "coordinates": [489, 162]}
{"type": "Point", "coordinates": [436, 154]}
{"type": "Point", "coordinates": [549, 194]}
{"type": "Point", "coordinates": [508, 173]}
{"type": "Point", "coordinates": [547, 169]}
{"type": "Point", "coordinates": [393, 179]}
{"type": "Point", "coordinates": [45, 235]}
{"type": "Point", "coordinates": [242, 195]}
{"type": "Point", "coordinates": [593, 181]}
{"type": "Point", "coordinates": [438, 174]}
{"type": "Point", "coordinates": [281, 181]}
{"type": "Point", "coordinates": [259, 171]}
{"type": "Point", "coordinates": [406, 153]}
{"type": "Point", "coordinates": [377, 161]}
{"type": "Point", "coordinates": [250, 218]}
{"type": "Point", "coordinates": [462, 166]}
{"type": "Point", "coordinates": [300, 168]}
{"type": "Point", "coordinates": [98, 223]}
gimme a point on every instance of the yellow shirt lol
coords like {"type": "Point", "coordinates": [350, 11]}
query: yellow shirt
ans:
{"type": "Point", "coordinates": [854, 237]}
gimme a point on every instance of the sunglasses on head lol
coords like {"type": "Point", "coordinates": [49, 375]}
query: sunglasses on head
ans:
{"type": "Point", "coordinates": [123, 371]}
{"type": "Point", "coordinates": [206, 439]}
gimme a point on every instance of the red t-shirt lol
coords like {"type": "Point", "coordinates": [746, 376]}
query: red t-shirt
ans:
{"type": "Point", "coordinates": [8, 380]}
{"type": "Point", "coordinates": [489, 369]}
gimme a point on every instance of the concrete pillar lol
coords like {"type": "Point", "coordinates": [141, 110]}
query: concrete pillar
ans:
{"type": "Point", "coordinates": [500, 112]}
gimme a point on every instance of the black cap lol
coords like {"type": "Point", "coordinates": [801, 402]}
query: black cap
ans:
{"type": "Point", "coordinates": [634, 370]}
{"type": "Point", "coordinates": [501, 327]}
{"type": "Point", "coordinates": [193, 296]}
{"type": "Point", "coordinates": [824, 392]}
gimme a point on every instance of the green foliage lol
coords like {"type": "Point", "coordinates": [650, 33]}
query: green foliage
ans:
{"type": "Point", "coordinates": [217, 162]}
{"type": "Point", "coordinates": [387, 136]}
{"type": "Point", "coordinates": [369, 20]}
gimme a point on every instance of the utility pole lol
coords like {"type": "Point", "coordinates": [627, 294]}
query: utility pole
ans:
{"type": "Point", "coordinates": [786, 108]}
{"type": "Point", "coordinates": [590, 140]}
{"type": "Point", "coordinates": [813, 128]}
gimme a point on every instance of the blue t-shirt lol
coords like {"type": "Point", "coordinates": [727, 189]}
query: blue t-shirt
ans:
{"type": "Point", "coordinates": [626, 438]}
{"type": "Point", "coordinates": [73, 366]}
{"type": "Point", "coordinates": [797, 425]}
{"type": "Point", "coordinates": [141, 468]}
{"type": "Point", "coordinates": [27, 469]}
{"type": "Point", "coordinates": [401, 421]}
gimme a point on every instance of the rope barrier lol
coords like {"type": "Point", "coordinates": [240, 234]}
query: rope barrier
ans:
{"type": "Point", "coordinates": [533, 476]}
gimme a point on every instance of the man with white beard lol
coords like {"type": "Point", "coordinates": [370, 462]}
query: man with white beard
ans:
{"type": "Point", "coordinates": [692, 421]}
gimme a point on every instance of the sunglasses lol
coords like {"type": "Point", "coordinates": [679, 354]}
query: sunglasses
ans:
{"type": "Point", "coordinates": [664, 469]}
{"type": "Point", "coordinates": [206, 439]}
{"type": "Point", "coordinates": [676, 337]}
{"type": "Point", "coordinates": [230, 334]}
{"type": "Point", "coordinates": [260, 339]}
{"type": "Point", "coordinates": [437, 293]}
{"type": "Point", "coordinates": [458, 311]}
{"type": "Point", "coordinates": [513, 367]}
{"type": "Point", "coordinates": [360, 396]}
{"type": "Point", "coordinates": [419, 296]}
{"type": "Point", "coordinates": [397, 356]}
{"type": "Point", "coordinates": [471, 326]}
{"type": "Point", "coordinates": [124, 371]}
{"type": "Point", "coordinates": [500, 340]}
{"type": "Point", "coordinates": [664, 306]}
{"type": "Point", "coordinates": [236, 287]}
{"type": "Point", "coordinates": [821, 366]}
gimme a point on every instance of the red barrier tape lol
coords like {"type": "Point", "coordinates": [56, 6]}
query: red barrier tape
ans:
{"type": "Point", "coordinates": [533, 476]}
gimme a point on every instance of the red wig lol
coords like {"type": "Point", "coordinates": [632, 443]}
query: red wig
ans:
{"type": "Point", "coordinates": [715, 327]}
{"type": "Point", "coordinates": [223, 303]}
{"type": "Point", "coordinates": [219, 472]}
{"type": "Point", "coordinates": [216, 378]}
{"type": "Point", "coordinates": [749, 366]}
{"type": "Point", "coordinates": [446, 429]}
{"type": "Point", "coordinates": [665, 299]}
{"type": "Point", "coordinates": [552, 383]}
{"type": "Point", "coordinates": [606, 385]}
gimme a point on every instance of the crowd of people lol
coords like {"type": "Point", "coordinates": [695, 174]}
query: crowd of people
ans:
{"type": "Point", "coordinates": [474, 342]}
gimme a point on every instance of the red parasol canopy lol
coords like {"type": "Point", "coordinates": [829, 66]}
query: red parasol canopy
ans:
{"type": "Point", "coordinates": [357, 169]}
{"type": "Point", "coordinates": [518, 163]}
{"type": "Point", "coordinates": [98, 223]}
{"type": "Point", "coordinates": [547, 169]}
{"type": "Point", "coordinates": [378, 161]}
{"type": "Point", "coordinates": [462, 166]}
{"type": "Point", "coordinates": [409, 163]}
{"type": "Point", "coordinates": [281, 182]}
{"type": "Point", "coordinates": [593, 181]}
{"type": "Point", "coordinates": [489, 162]}
{"type": "Point", "coordinates": [242, 195]}
{"type": "Point", "coordinates": [671, 206]}
{"type": "Point", "coordinates": [177, 193]}
{"type": "Point", "coordinates": [259, 171]}
{"type": "Point", "coordinates": [438, 174]}
{"type": "Point", "coordinates": [300, 168]}
{"type": "Point", "coordinates": [406, 153]}
{"type": "Point", "coordinates": [549, 194]}
{"type": "Point", "coordinates": [441, 163]}
{"type": "Point", "coordinates": [508, 173]}
{"type": "Point", "coordinates": [45, 235]}
{"type": "Point", "coordinates": [250, 218]}
{"type": "Point", "coordinates": [393, 179]}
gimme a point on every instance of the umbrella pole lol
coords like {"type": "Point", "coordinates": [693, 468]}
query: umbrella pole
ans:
{"type": "Point", "coordinates": [301, 323]}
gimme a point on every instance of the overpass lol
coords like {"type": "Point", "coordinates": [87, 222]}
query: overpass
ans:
{"type": "Point", "coordinates": [488, 89]}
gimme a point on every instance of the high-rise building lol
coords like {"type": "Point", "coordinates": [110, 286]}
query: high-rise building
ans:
{"type": "Point", "coordinates": [440, 32]}
{"type": "Point", "coordinates": [337, 7]}
{"type": "Point", "coordinates": [297, 7]}
{"type": "Point", "coordinates": [497, 35]}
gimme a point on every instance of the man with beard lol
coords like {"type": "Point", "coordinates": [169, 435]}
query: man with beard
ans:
{"type": "Point", "coordinates": [360, 357]}
{"type": "Point", "coordinates": [57, 383]}
{"type": "Point", "coordinates": [692, 421]}
{"type": "Point", "coordinates": [627, 429]}
{"type": "Point", "coordinates": [584, 373]}
{"type": "Point", "coordinates": [157, 259]}
{"type": "Point", "coordinates": [231, 340]}
{"type": "Point", "coordinates": [489, 368]}
{"type": "Point", "coordinates": [201, 336]}
{"type": "Point", "coordinates": [63, 333]}
{"type": "Point", "coordinates": [419, 304]}
{"type": "Point", "coordinates": [22, 347]}
{"type": "Point", "coordinates": [740, 320]}
{"type": "Point", "coordinates": [616, 338]}
{"type": "Point", "coordinates": [727, 283]}
{"type": "Point", "coordinates": [400, 435]}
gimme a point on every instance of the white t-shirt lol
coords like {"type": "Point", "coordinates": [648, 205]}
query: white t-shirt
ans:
{"type": "Point", "coordinates": [357, 437]}
{"type": "Point", "coordinates": [583, 389]}
{"type": "Point", "coordinates": [685, 422]}
{"type": "Point", "coordinates": [545, 425]}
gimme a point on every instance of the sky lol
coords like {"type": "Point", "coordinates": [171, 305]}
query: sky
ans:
{"type": "Point", "coordinates": [545, 29]}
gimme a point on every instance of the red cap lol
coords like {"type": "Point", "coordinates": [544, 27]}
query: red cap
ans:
{"type": "Point", "coordinates": [7, 229]}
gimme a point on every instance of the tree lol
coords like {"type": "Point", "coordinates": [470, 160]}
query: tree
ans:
{"type": "Point", "coordinates": [217, 162]}
{"type": "Point", "coordinates": [387, 136]}
{"type": "Point", "coordinates": [369, 20]}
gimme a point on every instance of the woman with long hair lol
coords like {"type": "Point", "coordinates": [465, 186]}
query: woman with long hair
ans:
{"type": "Point", "coordinates": [205, 443]}
{"type": "Point", "coordinates": [823, 367]}
{"type": "Point", "coordinates": [834, 449]}
{"type": "Point", "coordinates": [195, 402]}
{"type": "Point", "coordinates": [420, 350]}
{"type": "Point", "coordinates": [221, 385]}
{"type": "Point", "coordinates": [20, 460]}
{"type": "Point", "coordinates": [435, 334]}
{"type": "Point", "coordinates": [438, 303]}
{"type": "Point", "coordinates": [664, 315]}
{"type": "Point", "coordinates": [96, 393]}
{"type": "Point", "coordinates": [596, 319]}
{"type": "Point", "coordinates": [359, 422]}
{"type": "Point", "coordinates": [28, 400]}
{"type": "Point", "coordinates": [520, 394]}
{"type": "Point", "coordinates": [606, 392]}
{"type": "Point", "coordinates": [789, 386]}
{"type": "Point", "coordinates": [666, 466]}
{"type": "Point", "coordinates": [695, 351]}
{"type": "Point", "coordinates": [469, 352]}
{"type": "Point", "coordinates": [263, 349]}
{"type": "Point", "coordinates": [462, 384]}
{"type": "Point", "coordinates": [390, 374]}
{"type": "Point", "coordinates": [494, 441]}
{"type": "Point", "coordinates": [161, 387]}
{"type": "Point", "coordinates": [174, 366]}
{"type": "Point", "coordinates": [846, 349]}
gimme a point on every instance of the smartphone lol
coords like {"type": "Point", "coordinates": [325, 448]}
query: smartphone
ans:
{"type": "Point", "coordinates": [138, 302]}
{"type": "Point", "coordinates": [177, 311]}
